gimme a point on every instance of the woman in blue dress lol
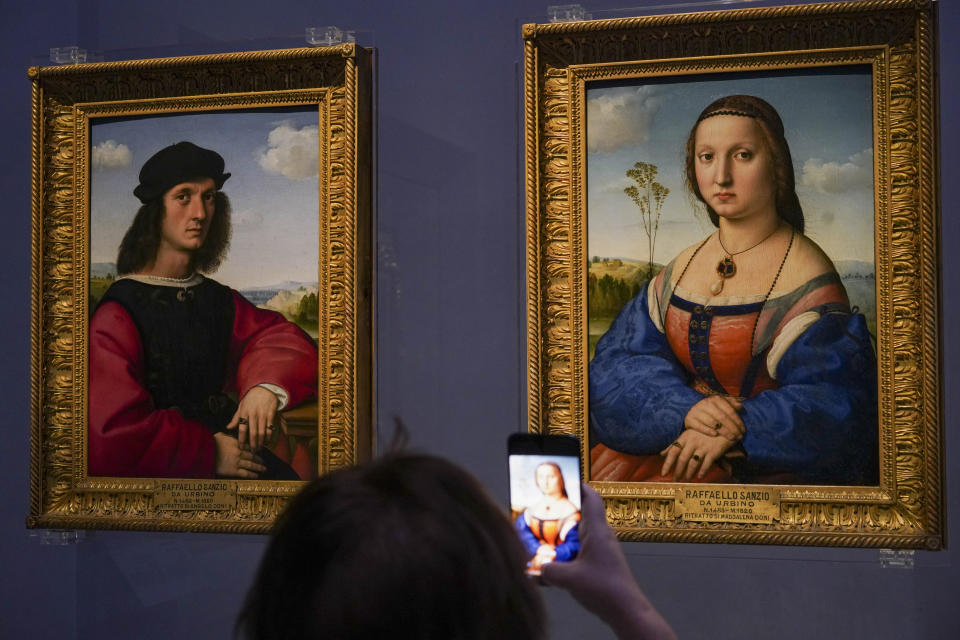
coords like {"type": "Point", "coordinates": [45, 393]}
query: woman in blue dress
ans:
{"type": "Point", "coordinates": [741, 360]}
{"type": "Point", "coordinates": [549, 527]}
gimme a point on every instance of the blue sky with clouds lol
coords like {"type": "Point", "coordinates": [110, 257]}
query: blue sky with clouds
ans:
{"type": "Point", "coordinates": [273, 189]}
{"type": "Point", "coordinates": [828, 123]}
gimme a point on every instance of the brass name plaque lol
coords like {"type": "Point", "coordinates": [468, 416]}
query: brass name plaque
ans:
{"type": "Point", "coordinates": [728, 504]}
{"type": "Point", "coordinates": [195, 495]}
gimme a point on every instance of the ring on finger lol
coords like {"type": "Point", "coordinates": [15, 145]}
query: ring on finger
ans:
{"type": "Point", "coordinates": [696, 457]}
{"type": "Point", "coordinates": [270, 427]}
{"type": "Point", "coordinates": [243, 421]}
{"type": "Point", "coordinates": [717, 426]}
{"type": "Point", "coordinates": [676, 444]}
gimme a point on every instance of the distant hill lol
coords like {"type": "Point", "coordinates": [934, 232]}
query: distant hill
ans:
{"type": "Point", "coordinates": [630, 271]}
{"type": "Point", "coordinates": [286, 300]}
{"type": "Point", "coordinates": [103, 270]}
{"type": "Point", "coordinates": [286, 285]}
{"type": "Point", "coordinates": [855, 269]}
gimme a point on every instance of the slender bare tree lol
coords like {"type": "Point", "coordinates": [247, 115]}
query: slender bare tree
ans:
{"type": "Point", "coordinates": [649, 195]}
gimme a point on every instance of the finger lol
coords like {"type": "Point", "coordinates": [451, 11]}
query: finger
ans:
{"type": "Point", "coordinates": [251, 466]}
{"type": "Point", "coordinates": [248, 475]}
{"type": "Point", "coordinates": [592, 511]}
{"type": "Point", "coordinates": [721, 422]}
{"type": "Point", "coordinates": [708, 461]}
{"type": "Point", "coordinates": [233, 421]}
{"type": "Point", "coordinates": [719, 412]}
{"type": "Point", "coordinates": [560, 574]}
{"type": "Point", "coordinates": [243, 428]}
{"type": "Point", "coordinates": [670, 454]}
{"type": "Point", "coordinates": [736, 403]}
{"type": "Point", "coordinates": [727, 411]}
{"type": "Point", "coordinates": [681, 463]}
{"type": "Point", "coordinates": [700, 426]}
{"type": "Point", "coordinates": [692, 465]}
{"type": "Point", "coordinates": [257, 427]}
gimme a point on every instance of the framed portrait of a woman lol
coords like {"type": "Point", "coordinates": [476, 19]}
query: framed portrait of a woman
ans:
{"type": "Point", "coordinates": [729, 215]}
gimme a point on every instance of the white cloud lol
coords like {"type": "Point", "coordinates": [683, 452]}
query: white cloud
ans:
{"type": "Point", "coordinates": [835, 177]}
{"type": "Point", "coordinates": [621, 118]}
{"type": "Point", "coordinates": [246, 219]}
{"type": "Point", "coordinates": [290, 152]}
{"type": "Point", "coordinates": [109, 154]}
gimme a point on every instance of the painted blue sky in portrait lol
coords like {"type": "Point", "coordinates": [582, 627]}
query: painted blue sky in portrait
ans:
{"type": "Point", "coordinates": [273, 189]}
{"type": "Point", "coordinates": [827, 116]}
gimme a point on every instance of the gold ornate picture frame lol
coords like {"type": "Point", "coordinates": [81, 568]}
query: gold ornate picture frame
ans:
{"type": "Point", "coordinates": [583, 78]}
{"type": "Point", "coordinates": [312, 111]}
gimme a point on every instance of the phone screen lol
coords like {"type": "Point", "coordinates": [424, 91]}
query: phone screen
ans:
{"type": "Point", "coordinates": [545, 497]}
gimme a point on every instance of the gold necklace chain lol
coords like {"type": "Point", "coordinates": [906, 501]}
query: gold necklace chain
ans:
{"type": "Point", "coordinates": [727, 268]}
{"type": "Point", "coordinates": [736, 253]}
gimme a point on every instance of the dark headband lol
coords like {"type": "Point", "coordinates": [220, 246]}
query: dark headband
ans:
{"type": "Point", "coordinates": [730, 112]}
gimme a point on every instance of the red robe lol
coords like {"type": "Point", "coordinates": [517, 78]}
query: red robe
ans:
{"type": "Point", "coordinates": [129, 436]}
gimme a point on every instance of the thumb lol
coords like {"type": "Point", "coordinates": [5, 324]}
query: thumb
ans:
{"type": "Point", "coordinates": [559, 574]}
{"type": "Point", "coordinates": [234, 421]}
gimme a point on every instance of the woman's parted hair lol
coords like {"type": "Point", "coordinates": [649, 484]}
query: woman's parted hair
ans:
{"type": "Point", "coordinates": [140, 243]}
{"type": "Point", "coordinates": [408, 546]}
{"type": "Point", "coordinates": [787, 203]}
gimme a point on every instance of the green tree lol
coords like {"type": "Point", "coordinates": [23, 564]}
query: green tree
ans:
{"type": "Point", "coordinates": [308, 309]}
{"type": "Point", "coordinates": [649, 195]}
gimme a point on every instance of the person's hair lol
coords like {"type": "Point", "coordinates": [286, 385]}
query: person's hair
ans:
{"type": "Point", "coordinates": [408, 546]}
{"type": "Point", "coordinates": [563, 485]}
{"type": "Point", "coordinates": [140, 243]}
{"type": "Point", "coordinates": [771, 126]}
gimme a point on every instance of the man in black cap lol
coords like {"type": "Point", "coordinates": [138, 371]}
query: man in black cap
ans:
{"type": "Point", "coordinates": [171, 349]}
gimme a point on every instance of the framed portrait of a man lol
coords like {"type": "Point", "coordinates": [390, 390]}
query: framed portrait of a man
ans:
{"type": "Point", "coordinates": [721, 211]}
{"type": "Point", "coordinates": [202, 229]}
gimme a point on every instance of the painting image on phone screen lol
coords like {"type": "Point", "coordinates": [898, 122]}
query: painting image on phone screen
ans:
{"type": "Point", "coordinates": [545, 507]}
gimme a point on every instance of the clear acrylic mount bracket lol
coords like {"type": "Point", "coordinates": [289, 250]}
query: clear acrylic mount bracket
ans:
{"type": "Point", "coordinates": [328, 36]}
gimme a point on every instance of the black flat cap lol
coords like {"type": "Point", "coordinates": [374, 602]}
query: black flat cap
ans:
{"type": "Point", "coordinates": [175, 164]}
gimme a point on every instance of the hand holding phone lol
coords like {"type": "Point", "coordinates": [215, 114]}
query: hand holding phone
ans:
{"type": "Point", "coordinates": [602, 582]}
{"type": "Point", "coordinates": [545, 496]}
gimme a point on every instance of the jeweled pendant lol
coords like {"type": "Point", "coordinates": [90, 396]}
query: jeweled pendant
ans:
{"type": "Point", "coordinates": [717, 287]}
{"type": "Point", "coordinates": [726, 268]}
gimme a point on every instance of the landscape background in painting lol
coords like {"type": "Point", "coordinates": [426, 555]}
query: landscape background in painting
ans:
{"type": "Point", "coordinates": [828, 121]}
{"type": "Point", "coordinates": [272, 155]}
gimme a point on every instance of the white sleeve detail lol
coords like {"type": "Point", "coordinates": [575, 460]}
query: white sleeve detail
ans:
{"type": "Point", "coordinates": [653, 307]}
{"type": "Point", "coordinates": [282, 397]}
{"type": "Point", "coordinates": [791, 331]}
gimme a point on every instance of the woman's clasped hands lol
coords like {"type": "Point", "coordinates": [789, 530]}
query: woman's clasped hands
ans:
{"type": "Point", "coordinates": [711, 428]}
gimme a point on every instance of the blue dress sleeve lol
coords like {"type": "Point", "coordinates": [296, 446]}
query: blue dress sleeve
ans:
{"type": "Point", "coordinates": [638, 390]}
{"type": "Point", "coordinates": [570, 547]}
{"type": "Point", "coordinates": [822, 422]}
{"type": "Point", "coordinates": [529, 540]}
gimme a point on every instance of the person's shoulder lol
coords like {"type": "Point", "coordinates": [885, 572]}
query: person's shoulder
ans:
{"type": "Point", "coordinates": [677, 264]}
{"type": "Point", "coordinates": [806, 262]}
{"type": "Point", "coordinates": [684, 256]}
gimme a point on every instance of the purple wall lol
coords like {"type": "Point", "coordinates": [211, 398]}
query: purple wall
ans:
{"type": "Point", "coordinates": [450, 333]}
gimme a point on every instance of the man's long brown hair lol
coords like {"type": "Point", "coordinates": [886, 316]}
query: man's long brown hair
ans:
{"type": "Point", "coordinates": [140, 243]}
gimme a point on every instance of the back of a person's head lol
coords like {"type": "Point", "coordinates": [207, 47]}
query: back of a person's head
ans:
{"type": "Point", "coordinates": [408, 546]}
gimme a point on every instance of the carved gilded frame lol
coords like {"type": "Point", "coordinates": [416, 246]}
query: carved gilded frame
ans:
{"type": "Point", "coordinates": [895, 37]}
{"type": "Point", "coordinates": [337, 82]}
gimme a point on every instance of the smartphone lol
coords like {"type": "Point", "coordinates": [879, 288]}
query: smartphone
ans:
{"type": "Point", "coordinates": [545, 496]}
